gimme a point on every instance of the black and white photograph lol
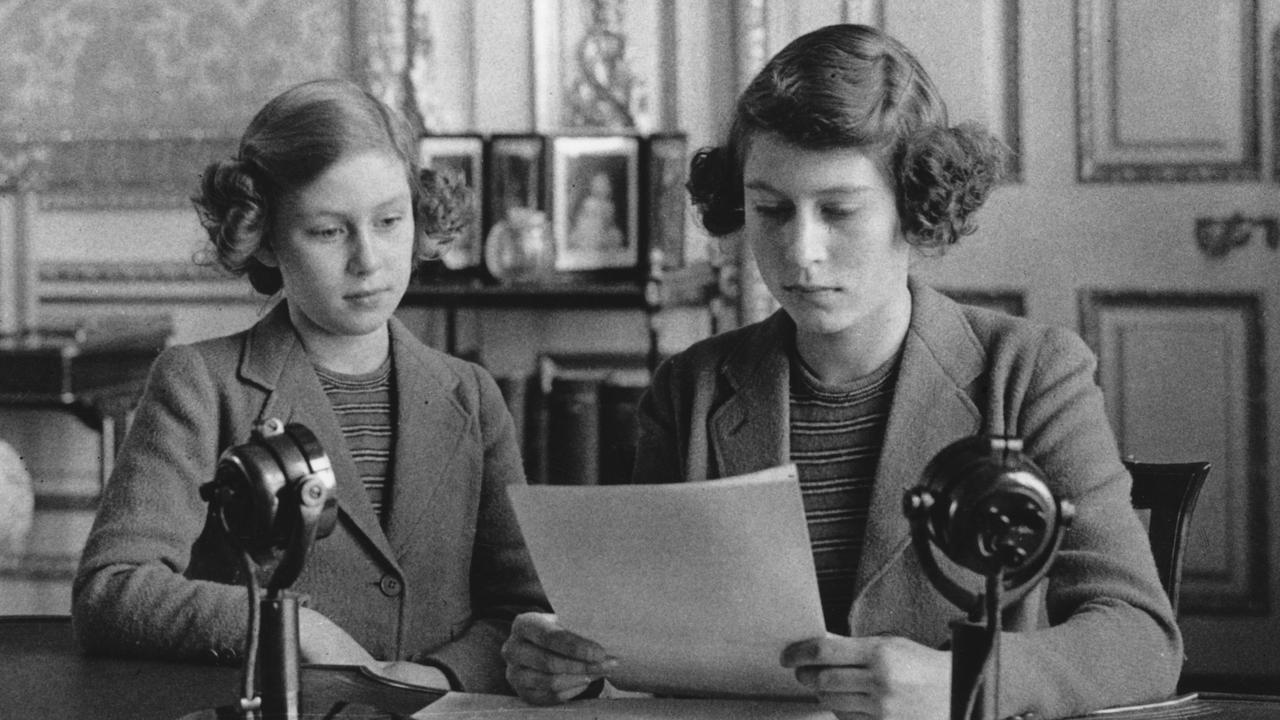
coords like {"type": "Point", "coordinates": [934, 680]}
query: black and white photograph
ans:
{"type": "Point", "coordinates": [666, 163]}
{"type": "Point", "coordinates": [463, 157]}
{"type": "Point", "coordinates": [516, 175]}
{"type": "Point", "coordinates": [787, 359]}
{"type": "Point", "coordinates": [595, 193]}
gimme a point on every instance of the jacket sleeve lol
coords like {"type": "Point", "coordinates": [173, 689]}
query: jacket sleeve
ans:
{"type": "Point", "coordinates": [503, 581]}
{"type": "Point", "coordinates": [659, 457]}
{"type": "Point", "coordinates": [1112, 638]}
{"type": "Point", "coordinates": [130, 595]}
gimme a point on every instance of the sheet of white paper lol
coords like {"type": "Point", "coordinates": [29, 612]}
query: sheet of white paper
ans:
{"type": "Point", "coordinates": [696, 588]}
{"type": "Point", "coordinates": [469, 706]}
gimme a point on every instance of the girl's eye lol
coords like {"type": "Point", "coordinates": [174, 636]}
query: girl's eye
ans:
{"type": "Point", "coordinates": [773, 212]}
{"type": "Point", "coordinates": [391, 221]}
{"type": "Point", "coordinates": [840, 212]}
{"type": "Point", "coordinates": [325, 233]}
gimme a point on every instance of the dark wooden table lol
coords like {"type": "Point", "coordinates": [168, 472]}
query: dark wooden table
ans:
{"type": "Point", "coordinates": [44, 675]}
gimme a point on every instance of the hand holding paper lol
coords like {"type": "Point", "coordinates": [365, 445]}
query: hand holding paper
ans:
{"type": "Point", "coordinates": [547, 664]}
{"type": "Point", "coordinates": [695, 588]}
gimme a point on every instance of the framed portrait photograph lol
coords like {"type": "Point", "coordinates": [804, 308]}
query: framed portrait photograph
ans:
{"type": "Point", "coordinates": [462, 155]}
{"type": "Point", "coordinates": [516, 175]}
{"type": "Point", "coordinates": [666, 168]}
{"type": "Point", "coordinates": [595, 208]}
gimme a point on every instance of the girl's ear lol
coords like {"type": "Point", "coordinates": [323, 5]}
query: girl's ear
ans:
{"type": "Point", "coordinates": [265, 255]}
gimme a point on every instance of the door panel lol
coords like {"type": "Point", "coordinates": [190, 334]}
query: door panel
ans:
{"type": "Point", "coordinates": [1183, 373]}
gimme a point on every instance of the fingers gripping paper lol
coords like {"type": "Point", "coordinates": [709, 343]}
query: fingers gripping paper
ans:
{"type": "Point", "coordinates": [696, 588]}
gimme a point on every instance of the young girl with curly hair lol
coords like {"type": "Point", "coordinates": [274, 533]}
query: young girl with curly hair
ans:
{"type": "Point", "coordinates": [325, 207]}
{"type": "Point", "coordinates": [840, 166]}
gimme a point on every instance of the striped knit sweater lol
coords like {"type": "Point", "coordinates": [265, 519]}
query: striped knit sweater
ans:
{"type": "Point", "coordinates": [836, 437]}
{"type": "Point", "coordinates": [363, 404]}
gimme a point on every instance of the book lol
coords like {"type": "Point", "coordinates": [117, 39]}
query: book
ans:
{"type": "Point", "coordinates": [619, 399]}
{"type": "Point", "coordinates": [573, 431]}
{"type": "Point", "coordinates": [583, 429]}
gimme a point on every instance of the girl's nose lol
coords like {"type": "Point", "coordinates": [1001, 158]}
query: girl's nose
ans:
{"type": "Point", "coordinates": [363, 259]}
{"type": "Point", "coordinates": [808, 239]}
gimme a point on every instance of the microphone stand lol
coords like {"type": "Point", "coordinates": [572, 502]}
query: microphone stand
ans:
{"type": "Point", "coordinates": [975, 660]}
{"type": "Point", "coordinates": [270, 678]}
{"type": "Point", "coordinates": [989, 509]}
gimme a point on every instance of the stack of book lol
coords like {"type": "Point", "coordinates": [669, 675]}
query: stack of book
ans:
{"type": "Point", "coordinates": [576, 417]}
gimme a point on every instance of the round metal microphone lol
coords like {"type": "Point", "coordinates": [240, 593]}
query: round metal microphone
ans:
{"type": "Point", "coordinates": [989, 509]}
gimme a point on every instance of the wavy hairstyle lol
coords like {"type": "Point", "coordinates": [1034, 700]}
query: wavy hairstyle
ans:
{"type": "Point", "coordinates": [292, 140]}
{"type": "Point", "coordinates": [854, 86]}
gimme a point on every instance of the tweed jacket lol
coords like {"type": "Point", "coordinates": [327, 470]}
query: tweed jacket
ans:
{"type": "Point", "coordinates": [1098, 631]}
{"type": "Point", "coordinates": [440, 584]}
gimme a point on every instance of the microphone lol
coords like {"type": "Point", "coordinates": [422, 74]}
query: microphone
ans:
{"type": "Point", "coordinates": [274, 496]}
{"type": "Point", "coordinates": [990, 510]}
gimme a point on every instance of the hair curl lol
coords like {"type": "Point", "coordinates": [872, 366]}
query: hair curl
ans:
{"type": "Point", "coordinates": [235, 215]}
{"type": "Point", "coordinates": [715, 189]}
{"type": "Point", "coordinates": [847, 86]}
{"type": "Point", "coordinates": [291, 141]}
{"type": "Point", "coordinates": [943, 176]}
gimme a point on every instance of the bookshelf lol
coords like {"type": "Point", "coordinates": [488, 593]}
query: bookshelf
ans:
{"type": "Point", "coordinates": [695, 285]}
{"type": "Point", "coordinates": [575, 415]}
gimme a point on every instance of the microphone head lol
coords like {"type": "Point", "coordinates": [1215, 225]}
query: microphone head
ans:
{"type": "Point", "coordinates": [273, 485]}
{"type": "Point", "coordinates": [988, 507]}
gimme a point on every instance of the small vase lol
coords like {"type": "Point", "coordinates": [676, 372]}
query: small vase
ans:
{"type": "Point", "coordinates": [519, 247]}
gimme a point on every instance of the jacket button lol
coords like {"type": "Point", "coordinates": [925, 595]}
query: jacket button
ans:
{"type": "Point", "coordinates": [390, 586]}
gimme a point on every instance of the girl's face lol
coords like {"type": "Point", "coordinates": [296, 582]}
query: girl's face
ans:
{"type": "Point", "coordinates": [823, 225]}
{"type": "Point", "coordinates": [345, 245]}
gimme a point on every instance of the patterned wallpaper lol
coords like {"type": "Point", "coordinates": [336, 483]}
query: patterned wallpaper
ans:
{"type": "Point", "coordinates": [140, 68]}
{"type": "Point", "coordinates": [126, 99]}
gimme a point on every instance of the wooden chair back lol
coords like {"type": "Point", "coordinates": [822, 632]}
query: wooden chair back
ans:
{"type": "Point", "coordinates": [1169, 491]}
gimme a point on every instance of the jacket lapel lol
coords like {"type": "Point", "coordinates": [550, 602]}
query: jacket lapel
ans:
{"type": "Point", "coordinates": [275, 359]}
{"type": "Point", "coordinates": [428, 414]}
{"type": "Point", "coordinates": [931, 409]}
{"type": "Point", "coordinates": [749, 429]}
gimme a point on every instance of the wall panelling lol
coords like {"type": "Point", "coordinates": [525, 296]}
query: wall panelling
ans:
{"type": "Point", "coordinates": [1184, 375]}
{"type": "Point", "coordinates": [1162, 99]}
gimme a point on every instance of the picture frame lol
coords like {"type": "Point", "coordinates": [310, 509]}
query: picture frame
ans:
{"type": "Point", "coordinates": [595, 202]}
{"type": "Point", "coordinates": [515, 177]}
{"type": "Point", "coordinates": [463, 154]}
{"type": "Point", "coordinates": [666, 169]}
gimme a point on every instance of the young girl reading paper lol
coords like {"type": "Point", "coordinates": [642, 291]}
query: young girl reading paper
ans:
{"type": "Point", "coordinates": [839, 165]}
{"type": "Point", "coordinates": [324, 206]}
